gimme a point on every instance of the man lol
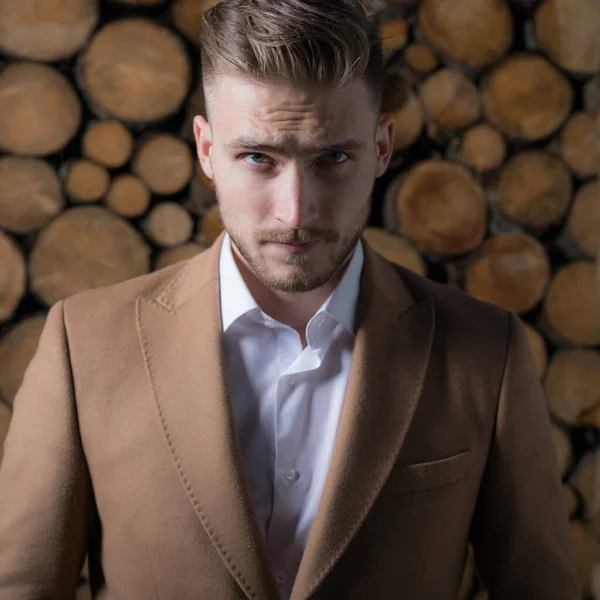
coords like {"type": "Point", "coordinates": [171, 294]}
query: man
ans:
{"type": "Point", "coordinates": [286, 414]}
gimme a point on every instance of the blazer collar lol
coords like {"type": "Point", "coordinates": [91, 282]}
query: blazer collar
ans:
{"type": "Point", "coordinates": [179, 325]}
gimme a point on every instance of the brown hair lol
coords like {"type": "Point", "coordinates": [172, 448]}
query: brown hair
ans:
{"type": "Point", "coordinates": [323, 42]}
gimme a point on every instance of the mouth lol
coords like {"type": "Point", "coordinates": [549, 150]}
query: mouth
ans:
{"type": "Point", "coordinates": [297, 246]}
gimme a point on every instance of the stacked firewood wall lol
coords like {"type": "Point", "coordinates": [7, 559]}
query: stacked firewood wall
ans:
{"type": "Point", "coordinates": [494, 186]}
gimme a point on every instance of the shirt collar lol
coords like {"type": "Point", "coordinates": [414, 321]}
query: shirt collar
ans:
{"type": "Point", "coordinates": [237, 301]}
{"type": "Point", "coordinates": [341, 304]}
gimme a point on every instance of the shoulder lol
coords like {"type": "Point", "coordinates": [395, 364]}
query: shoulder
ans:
{"type": "Point", "coordinates": [109, 305]}
{"type": "Point", "coordinates": [459, 318]}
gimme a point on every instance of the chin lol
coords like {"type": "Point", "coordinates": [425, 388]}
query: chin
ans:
{"type": "Point", "coordinates": [294, 279]}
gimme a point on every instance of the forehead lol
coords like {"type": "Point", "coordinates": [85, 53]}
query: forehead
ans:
{"type": "Point", "coordinates": [281, 111]}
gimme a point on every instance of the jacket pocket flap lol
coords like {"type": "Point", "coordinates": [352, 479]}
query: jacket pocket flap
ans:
{"type": "Point", "coordinates": [418, 477]}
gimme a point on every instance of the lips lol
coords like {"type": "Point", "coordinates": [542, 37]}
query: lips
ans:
{"type": "Point", "coordinates": [296, 246]}
{"type": "Point", "coordinates": [298, 243]}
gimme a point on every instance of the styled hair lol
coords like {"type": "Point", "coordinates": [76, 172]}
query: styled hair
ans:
{"type": "Point", "coordinates": [321, 42]}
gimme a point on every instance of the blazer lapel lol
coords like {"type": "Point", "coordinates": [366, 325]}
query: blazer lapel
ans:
{"type": "Point", "coordinates": [180, 332]}
{"type": "Point", "coordinates": [390, 361]}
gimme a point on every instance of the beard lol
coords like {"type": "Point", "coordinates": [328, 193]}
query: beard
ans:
{"type": "Point", "coordinates": [305, 273]}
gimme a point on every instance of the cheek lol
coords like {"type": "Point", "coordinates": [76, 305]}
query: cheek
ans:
{"type": "Point", "coordinates": [350, 194]}
{"type": "Point", "coordinates": [243, 202]}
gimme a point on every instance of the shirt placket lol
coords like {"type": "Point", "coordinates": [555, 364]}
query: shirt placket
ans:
{"type": "Point", "coordinates": [290, 477]}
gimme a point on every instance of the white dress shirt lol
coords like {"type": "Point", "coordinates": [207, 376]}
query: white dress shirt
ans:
{"type": "Point", "coordinates": [287, 401]}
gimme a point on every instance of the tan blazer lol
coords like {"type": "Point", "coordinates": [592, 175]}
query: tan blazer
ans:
{"type": "Point", "coordinates": [123, 444]}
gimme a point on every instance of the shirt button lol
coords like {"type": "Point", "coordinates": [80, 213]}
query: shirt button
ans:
{"type": "Point", "coordinates": [291, 380]}
{"type": "Point", "coordinates": [281, 577]}
{"type": "Point", "coordinates": [291, 475]}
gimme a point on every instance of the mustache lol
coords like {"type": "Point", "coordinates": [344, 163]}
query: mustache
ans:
{"type": "Point", "coordinates": [296, 236]}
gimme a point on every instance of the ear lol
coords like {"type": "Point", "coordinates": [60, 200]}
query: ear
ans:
{"type": "Point", "coordinates": [384, 141]}
{"type": "Point", "coordinates": [203, 135]}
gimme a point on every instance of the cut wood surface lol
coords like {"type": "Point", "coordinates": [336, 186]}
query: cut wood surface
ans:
{"type": "Point", "coordinates": [571, 499]}
{"type": "Point", "coordinates": [526, 97]}
{"type": "Point", "coordinates": [409, 121]}
{"type": "Point", "coordinates": [86, 181]}
{"type": "Point", "coordinates": [583, 225]}
{"type": "Point", "coordinates": [108, 143]}
{"type": "Point", "coordinates": [195, 106]}
{"type": "Point", "coordinates": [441, 208]}
{"type": "Point", "coordinates": [572, 383]}
{"type": "Point", "coordinates": [394, 36]}
{"type": "Point", "coordinates": [591, 96]}
{"type": "Point", "coordinates": [203, 178]}
{"type": "Point", "coordinates": [396, 90]}
{"type": "Point", "coordinates": [590, 418]}
{"type": "Point", "coordinates": [212, 224]}
{"type": "Point", "coordinates": [474, 33]}
{"type": "Point", "coordinates": [128, 196]}
{"type": "Point", "coordinates": [587, 554]}
{"type": "Point", "coordinates": [203, 240]}
{"type": "Point", "coordinates": [421, 58]}
{"type": "Point", "coordinates": [396, 249]}
{"type": "Point", "coordinates": [534, 189]}
{"type": "Point", "coordinates": [580, 144]}
{"type": "Point", "coordinates": [169, 224]}
{"type": "Point", "coordinates": [564, 451]}
{"type": "Point", "coordinates": [174, 255]}
{"type": "Point", "coordinates": [47, 31]}
{"type": "Point", "coordinates": [538, 347]}
{"type": "Point", "coordinates": [84, 248]}
{"type": "Point", "coordinates": [5, 417]}
{"type": "Point", "coordinates": [511, 271]}
{"type": "Point", "coordinates": [572, 304]}
{"type": "Point", "coordinates": [569, 32]}
{"type": "Point", "coordinates": [141, 2]}
{"type": "Point", "coordinates": [164, 163]}
{"type": "Point", "coordinates": [135, 70]}
{"type": "Point", "coordinates": [450, 99]}
{"type": "Point", "coordinates": [17, 348]}
{"type": "Point", "coordinates": [583, 480]}
{"type": "Point", "coordinates": [483, 148]}
{"type": "Point", "coordinates": [30, 194]}
{"type": "Point", "coordinates": [12, 276]}
{"type": "Point", "coordinates": [586, 480]}
{"type": "Point", "coordinates": [187, 17]}
{"type": "Point", "coordinates": [202, 193]}
{"type": "Point", "coordinates": [39, 110]}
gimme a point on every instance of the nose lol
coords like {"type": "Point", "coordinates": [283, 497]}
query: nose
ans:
{"type": "Point", "coordinates": [296, 202]}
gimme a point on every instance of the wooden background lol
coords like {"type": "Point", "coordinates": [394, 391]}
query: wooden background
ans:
{"type": "Point", "coordinates": [494, 185]}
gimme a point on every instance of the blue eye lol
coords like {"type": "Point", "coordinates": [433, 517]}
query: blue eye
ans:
{"type": "Point", "coordinates": [334, 155]}
{"type": "Point", "coordinates": [255, 155]}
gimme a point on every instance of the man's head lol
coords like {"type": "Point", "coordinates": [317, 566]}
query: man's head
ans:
{"type": "Point", "coordinates": [294, 139]}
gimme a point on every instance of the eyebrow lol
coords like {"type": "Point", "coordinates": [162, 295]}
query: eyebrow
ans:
{"type": "Point", "coordinates": [243, 143]}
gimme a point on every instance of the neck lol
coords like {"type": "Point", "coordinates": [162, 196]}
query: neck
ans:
{"type": "Point", "coordinates": [290, 308]}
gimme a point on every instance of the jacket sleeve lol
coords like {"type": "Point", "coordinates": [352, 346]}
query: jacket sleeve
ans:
{"type": "Point", "coordinates": [520, 530]}
{"type": "Point", "coordinates": [44, 484]}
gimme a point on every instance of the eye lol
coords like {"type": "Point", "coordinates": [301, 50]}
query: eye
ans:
{"type": "Point", "coordinates": [257, 158]}
{"type": "Point", "coordinates": [337, 158]}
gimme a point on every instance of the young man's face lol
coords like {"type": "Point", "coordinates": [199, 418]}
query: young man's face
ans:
{"type": "Point", "coordinates": [294, 170]}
